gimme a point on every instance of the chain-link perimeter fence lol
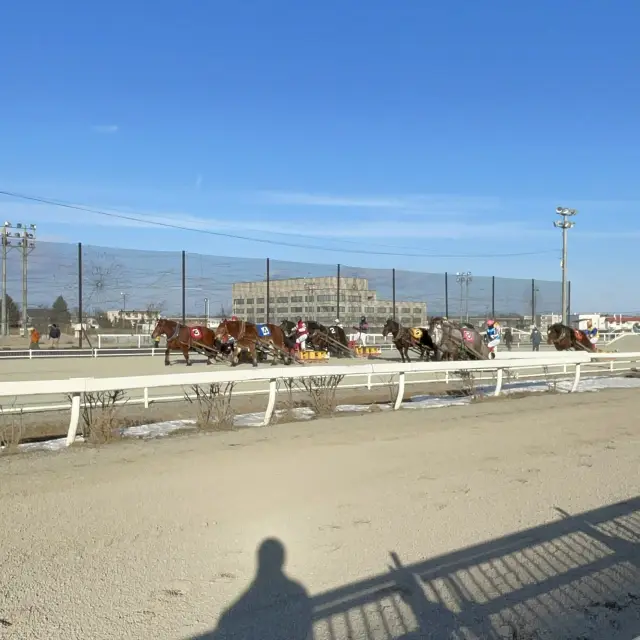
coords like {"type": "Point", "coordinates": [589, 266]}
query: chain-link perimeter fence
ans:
{"type": "Point", "coordinates": [126, 290]}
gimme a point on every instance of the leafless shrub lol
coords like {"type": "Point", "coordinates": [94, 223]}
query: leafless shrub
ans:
{"type": "Point", "coordinates": [99, 415]}
{"type": "Point", "coordinates": [322, 393]}
{"type": "Point", "coordinates": [287, 412]}
{"type": "Point", "coordinates": [11, 430]}
{"type": "Point", "coordinates": [552, 381]}
{"type": "Point", "coordinates": [392, 387]}
{"type": "Point", "coordinates": [468, 383]}
{"type": "Point", "coordinates": [214, 410]}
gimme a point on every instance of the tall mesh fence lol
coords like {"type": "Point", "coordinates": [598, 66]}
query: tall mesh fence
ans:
{"type": "Point", "coordinates": [126, 290]}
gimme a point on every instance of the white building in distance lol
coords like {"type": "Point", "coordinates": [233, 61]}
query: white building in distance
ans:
{"type": "Point", "coordinates": [317, 299]}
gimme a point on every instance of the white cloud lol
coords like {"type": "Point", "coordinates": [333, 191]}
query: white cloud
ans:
{"type": "Point", "coordinates": [53, 219]}
{"type": "Point", "coordinates": [105, 128]}
{"type": "Point", "coordinates": [425, 204]}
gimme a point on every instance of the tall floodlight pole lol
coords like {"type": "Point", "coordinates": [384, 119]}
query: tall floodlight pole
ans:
{"type": "Point", "coordinates": [565, 224]}
{"type": "Point", "coordinates": [27, 235]}
{"type": "Point", "coordinates": [463, 278]}
{"type": "Point", "coordinates": [6, 242]}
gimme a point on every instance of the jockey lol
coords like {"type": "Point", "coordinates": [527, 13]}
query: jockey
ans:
{"type": "Point", "coordinates": [302, 334]}
{"type": "Point", "coordinates": [493, 334]}
{"type": "Point", "coordinates": [338, 323]}
{"type": "Point", "coordinates": [591, 332]}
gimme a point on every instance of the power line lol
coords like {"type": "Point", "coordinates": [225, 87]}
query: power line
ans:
{"type": "Point", "coordinates": [167, 225]}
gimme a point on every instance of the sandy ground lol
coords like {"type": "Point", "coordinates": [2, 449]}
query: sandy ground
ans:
{"type": "Point", "coordinates": [393, 526]}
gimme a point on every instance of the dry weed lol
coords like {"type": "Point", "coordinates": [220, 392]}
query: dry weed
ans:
{"type": "Point", "coordinates": [99, 413]}
{"type": "Point", "coordinates": [468, 383]}
{"type": "Point", "coordinates": [11, 430]}
{"type": "Point", "coordinates": [322, 393]}
{"type": "Point", "coordinates": [214, 410]}
{"type": "Point", "coordinates": [287, 411]}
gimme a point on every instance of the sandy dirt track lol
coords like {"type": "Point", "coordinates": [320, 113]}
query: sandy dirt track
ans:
{"type": "Point", "coordinates": [156, 539]}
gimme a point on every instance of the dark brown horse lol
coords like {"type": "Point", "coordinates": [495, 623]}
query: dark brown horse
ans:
{"type": "Point", "coordinates": [564, 338]}
{"type": "Point", "coordinates": [402, 338]}
{"type": "Point", "coordinates": [250, 337]}
{"type": "Point", "coordinates": [180, 337]}
{"type": "Point", "coordinates": [454, 341]}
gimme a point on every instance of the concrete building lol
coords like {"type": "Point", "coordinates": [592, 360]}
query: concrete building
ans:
{"type": "Point", "coordinates": [317, 299]}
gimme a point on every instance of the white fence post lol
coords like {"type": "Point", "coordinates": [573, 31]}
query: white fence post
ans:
{"type": "Point", "coordinates": [400, 395]}
{"type": "Point", "coordinates": [146, 397]}
{"type": "Point", "coordinates": [75, 418]}
{"type": "Point", "coordinates": [273, 390]}
{"type": "Point", "coordinates": [499, 377]}
{"type": "Point", "coordinates": [576, 379]}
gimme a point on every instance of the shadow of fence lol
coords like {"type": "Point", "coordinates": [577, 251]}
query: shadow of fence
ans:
{"type": "Point", "coordinates": [575, 578]}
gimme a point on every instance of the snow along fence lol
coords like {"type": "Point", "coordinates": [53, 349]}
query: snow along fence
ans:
{"type": "Point", "coordinates": [77, 387]}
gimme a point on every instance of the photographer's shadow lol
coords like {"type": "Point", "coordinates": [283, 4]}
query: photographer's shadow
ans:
{"type": "Point", "coordinates": [273, 607]}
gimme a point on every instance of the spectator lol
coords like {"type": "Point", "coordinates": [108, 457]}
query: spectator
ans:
{"type": "Point", "coordinates": [536, 339]}
{"type": "Point", "coordinates": [34, 341]}
{"type": "Point", "coordinates": [54, 336]}
{"type": "Point", "coordinates": [508, 338]}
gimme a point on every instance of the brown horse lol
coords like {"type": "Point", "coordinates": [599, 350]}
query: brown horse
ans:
{"type": "Point", "coordinates": [402, 338]}
{"type": "Point", "coordinates": [250, 337]}
{"type": "Point", "coordinates": [180, 337]}
{"type": "Point", "coordinates": [564, 338]}
{"type": "Point", "coordinates": [454, 341]}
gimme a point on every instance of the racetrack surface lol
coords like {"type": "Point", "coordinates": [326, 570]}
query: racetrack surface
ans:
{"type": "Point", "coordinates": [157, 539]}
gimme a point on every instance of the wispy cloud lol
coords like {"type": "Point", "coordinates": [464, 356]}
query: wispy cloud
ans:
{"type": "Point", "coordinates": [105, 128]}
{"type": "Point", "coordinates": [420, 203]}
{"type": "Point", "coordinates": [374, 228]}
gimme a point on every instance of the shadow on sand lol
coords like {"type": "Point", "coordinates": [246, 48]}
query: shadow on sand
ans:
{"type": "Point", "coordinates": [272, 607]}
{"type": "Point", "coordinates": [577, 578]}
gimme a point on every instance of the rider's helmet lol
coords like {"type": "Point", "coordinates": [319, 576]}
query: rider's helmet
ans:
{"type": "Point", "coordinates": [490, 322]}
{"type": "Point", "coordinates": [234, 318]}
{"type": "Point", "coordinates": [337, 320]}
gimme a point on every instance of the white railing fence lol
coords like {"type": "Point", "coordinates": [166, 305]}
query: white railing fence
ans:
{"type": "Point", "coordinates": [77, 387]}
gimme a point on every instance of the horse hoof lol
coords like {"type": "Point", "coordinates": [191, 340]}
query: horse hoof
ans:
{"type": "Point", "coordinates": [255, 364]}
{"type": "Point", "coordinates": [166, 364]}
{"type": "Point", "coordinates": [188, 364]}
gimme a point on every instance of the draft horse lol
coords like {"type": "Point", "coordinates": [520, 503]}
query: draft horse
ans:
{"type": "Point", "coordinates": [180, 337]}
{"type": "Point", "coordinates": [454, 341]}
{"type": "Point", "coordinates": [402, 338]}
{"type": "Point", "coordinates": [250, 337]}
{"type": "Point", "coordinates": [564, 338]}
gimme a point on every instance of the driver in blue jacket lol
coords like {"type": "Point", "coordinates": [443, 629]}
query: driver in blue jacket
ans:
{"type": "Point", "coordinates": [591, 332]}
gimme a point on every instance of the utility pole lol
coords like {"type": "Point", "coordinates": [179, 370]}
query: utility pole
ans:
{"type": "Point", "coordinates": [27, 236]}
{"type": "Point", "coordinates": [565, 225]}
{"type": "Point", "coordinates": [124, 307]}
{"type": "Point", "coordinates": [206, 311]}
{"type": "Point", "coordinates": [463, 278]}
{"type": "Point", "coordinates": [6, 234]}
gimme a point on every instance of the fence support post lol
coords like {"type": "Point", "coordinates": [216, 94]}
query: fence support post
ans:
{"type": "Point", "coordinates": [493, 296]}
{"type": "Point", "coordinates": [338, 294]}
{"type": "Point", "coordinates": [446, 294]}
{"type": "Point", "coordinates": [79, 295]}
{"type": "Point", "coordinates": [273, 390]}
{"type": "Point", "coordinates": [268, 291]}
{"type": "Point", "coordinates": [74, 420]}
{"type": "Point", "coordinates": [393, 291]}
{"type": "Point", "coordinates": [533, 301]}
{"type": "Point", "coordinates": [400, 395]}
{"type": "Point", "coordinates": [184, 287]}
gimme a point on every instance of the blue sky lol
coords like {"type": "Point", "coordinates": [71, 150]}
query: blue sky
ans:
{"type": "Point", "coordinates": [438, 129]}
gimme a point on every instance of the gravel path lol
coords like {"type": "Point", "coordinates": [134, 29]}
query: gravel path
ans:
{"type": "Point", "coordinates": [394, 526]}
